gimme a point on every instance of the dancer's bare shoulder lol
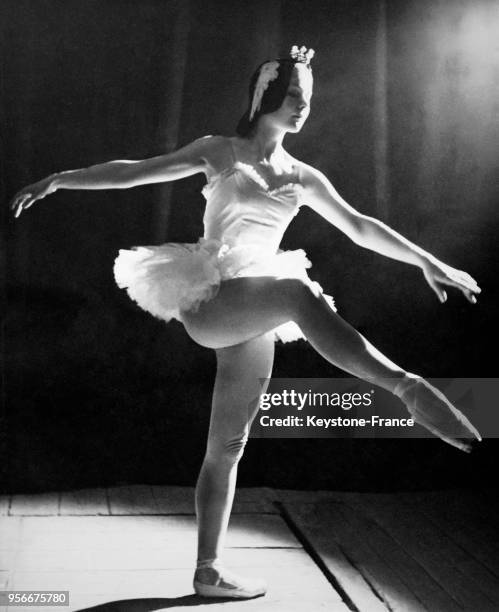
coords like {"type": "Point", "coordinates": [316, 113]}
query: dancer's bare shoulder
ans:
{"type": "Point", "coordinates": [315, 183]}
{"type": "Point", "coordinates": [310, 177]}
{"type": "Point", "coordinates": [320, 195]}
{"type": "Point", "coordinates": [216, 153]}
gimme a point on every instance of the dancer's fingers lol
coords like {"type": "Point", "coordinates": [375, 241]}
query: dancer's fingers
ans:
{"type": "Point", "coordinates": [19, 208]}
{"type": "Point", "coordinates": [470, 297]}
{"type": "Point", "coordinates": [440, 293]}
{"type": "Point", "coordinates": [16, 202]}
{"type": "Point", "coordinates": [28, 203]}
{"type": "Point", "coordinates": [468, 294]}
{"type": "Point", "coordinates": [20, 203]}
{"type": "Point", "coordinates": [460, 283]}
{"type": "Point", "coordinates": [468, 289]}
{"type": "Point", "coordinates": [470, 281]}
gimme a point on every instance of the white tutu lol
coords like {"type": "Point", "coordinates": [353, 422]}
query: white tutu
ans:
{"type": "Point", "coordinates": [169, 278]}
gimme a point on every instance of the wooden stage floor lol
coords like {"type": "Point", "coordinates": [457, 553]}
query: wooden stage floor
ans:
{"type": "Point", "coordinates": [132, 549]}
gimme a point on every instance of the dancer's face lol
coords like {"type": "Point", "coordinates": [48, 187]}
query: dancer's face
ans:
{"type": "Point", "coordinates": [295, 107]}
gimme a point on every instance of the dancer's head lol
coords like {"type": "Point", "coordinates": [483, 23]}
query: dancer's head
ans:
{"type": "Point", "coordinates": [280, 91]}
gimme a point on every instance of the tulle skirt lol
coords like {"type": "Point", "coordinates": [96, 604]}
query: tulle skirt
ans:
{"type": "Point", "coordinates": [173, 277]}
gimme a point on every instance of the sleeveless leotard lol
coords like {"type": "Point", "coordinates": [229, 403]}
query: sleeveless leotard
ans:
{"type": "Point", "coordinates": [244, 222]}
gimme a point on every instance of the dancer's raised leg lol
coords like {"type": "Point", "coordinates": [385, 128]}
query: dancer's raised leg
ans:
{"type": "Point", "coordinates": [246, 307]}
{"type": "Point", "coordinates": [240, 369]}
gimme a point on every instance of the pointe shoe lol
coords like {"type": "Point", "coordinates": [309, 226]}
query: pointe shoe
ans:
{"type": "Point", "coordinates": [430, 408]}
{"type": "Point", "coordinates": [218, 582]}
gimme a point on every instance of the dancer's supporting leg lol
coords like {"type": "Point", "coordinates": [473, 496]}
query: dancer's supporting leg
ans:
{"type": "Point", "coordinates": [240, 369]}
{"type": "Point", "coordinates": [247, 307]}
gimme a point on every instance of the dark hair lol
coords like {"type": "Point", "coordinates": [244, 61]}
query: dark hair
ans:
{"type": "Point", "coordinates": [272, 97]}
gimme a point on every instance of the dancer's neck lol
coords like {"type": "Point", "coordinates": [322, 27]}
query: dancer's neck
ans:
{"type": "Point", "coordinates": [266, 144]}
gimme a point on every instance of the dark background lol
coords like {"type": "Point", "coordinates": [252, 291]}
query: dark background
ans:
{"type": "Point", "coordinates": [404, 122]}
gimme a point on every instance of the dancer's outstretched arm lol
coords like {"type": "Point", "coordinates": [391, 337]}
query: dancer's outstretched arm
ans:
{"type": "Point", "coordinates": [375, 235]}
{"type": "Point", "coordinates": [122, 174]}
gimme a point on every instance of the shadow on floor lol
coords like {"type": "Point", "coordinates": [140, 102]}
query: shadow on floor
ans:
{"type": "Point", "coordinates": [149, 605]}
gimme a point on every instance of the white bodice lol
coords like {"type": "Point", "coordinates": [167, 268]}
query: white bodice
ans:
{"type": "Point", "coordinates": [242, 209]}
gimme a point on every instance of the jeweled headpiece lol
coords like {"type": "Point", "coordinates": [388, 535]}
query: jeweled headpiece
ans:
{"type": "Point", "coordinates": [302, 55]}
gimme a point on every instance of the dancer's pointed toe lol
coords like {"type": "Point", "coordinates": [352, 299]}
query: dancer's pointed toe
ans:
{"type": "Point", "coordinates": [431, 409]}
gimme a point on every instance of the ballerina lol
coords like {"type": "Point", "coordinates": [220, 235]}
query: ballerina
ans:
{"type": "Point", "coordinates": [236, 292]}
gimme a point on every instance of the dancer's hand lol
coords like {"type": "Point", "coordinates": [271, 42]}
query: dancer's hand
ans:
{"type": "Point", "coordinates": [437, 273]}
{"type": "Point", "coordinates": [30, 194]}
